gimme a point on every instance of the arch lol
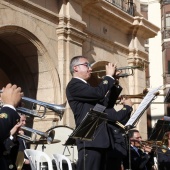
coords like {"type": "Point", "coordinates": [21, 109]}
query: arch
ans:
{"type": "Point", "coordinates": [24, 58]}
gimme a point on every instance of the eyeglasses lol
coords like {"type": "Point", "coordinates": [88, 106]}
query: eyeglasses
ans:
{"type": "Point", "coordinates": [88, 65]}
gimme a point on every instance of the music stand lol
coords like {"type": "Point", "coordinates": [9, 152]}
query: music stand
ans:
{"type": "Point", "coordinates": [160, 128]}
{"type": "Point", "coordinates": [158, 132]}
{"type": "Point", "coordinates": [138, 113]}
{"type": "Point", "coordinates": [86, 130]}
{"type": "Point", "coordinates": [93, 119]}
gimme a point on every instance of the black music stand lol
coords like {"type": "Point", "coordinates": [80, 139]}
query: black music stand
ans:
{"type": "Point", "coordinates": [158, 132]}
{"type": "Point", "coordinates": [86, 130]}
{"type": "Point", "coordinates": [160, 128]}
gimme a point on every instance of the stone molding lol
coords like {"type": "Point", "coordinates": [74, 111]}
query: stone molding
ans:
{"type": "Point", "coordinates": [33, 9]}
{"type": "Point", "coordinates": [120, 19]}
{"type": "Point", "coordinates": [71, 30]}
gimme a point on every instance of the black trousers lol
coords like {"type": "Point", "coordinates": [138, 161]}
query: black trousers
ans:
{"type": "Point", "coordinates": [97, 159]}
{"type": "Point", "coordinates": [5, 164]}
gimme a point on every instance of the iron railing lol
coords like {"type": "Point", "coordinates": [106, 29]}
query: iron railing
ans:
{"type": "Point", "coordinates": [126, 6]}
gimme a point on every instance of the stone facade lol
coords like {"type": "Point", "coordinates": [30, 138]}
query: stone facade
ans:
{"type": "Point", "coordinates": [38, 39]}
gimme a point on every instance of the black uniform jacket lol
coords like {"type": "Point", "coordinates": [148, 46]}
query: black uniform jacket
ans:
{"type": "Point", "coordinates": [163, 159]}
{"type": "Point", "coordinates": [8, 119]}
{"type": "Point", "coordinates": [139, 161]}
{"type": "Point", "coordinates": [82, 97]}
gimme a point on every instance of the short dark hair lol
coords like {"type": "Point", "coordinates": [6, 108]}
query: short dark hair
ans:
{"type": "Point", "coordinates": [74, 61]}
{"type": "Point", "coordinates": [131, 132]}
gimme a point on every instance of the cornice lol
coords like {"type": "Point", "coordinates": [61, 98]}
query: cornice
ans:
{"type": "Point", "coordinates": [32, 8]}
{"type": "Point", "coordinates": [144, 28]}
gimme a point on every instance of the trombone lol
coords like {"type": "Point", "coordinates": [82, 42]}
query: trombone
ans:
{"type": "Point", "coordinates": [130, 69]}
{"type": "Point", "coordinates": [138, 96]}
{"type": "Point", "coordinates": [163, 144]}
{"type": "Point", "coordinates": [48, 135]}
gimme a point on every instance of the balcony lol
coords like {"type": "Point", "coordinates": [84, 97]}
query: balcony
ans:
{"type": "Point", "coordinates": [125, 6]}
{"type": "Point", "coordinates": [166, 33]}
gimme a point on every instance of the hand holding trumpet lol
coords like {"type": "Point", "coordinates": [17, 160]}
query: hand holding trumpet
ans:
{"type": "Point", "coordinates": [15, 129]}
{"type": "Point", "coordinates": [146, 148]}
{"type": "Point", "coordinates": [126, 101]}
{"type": "Point", "coordinates": [110, 69]}
{"type": "Point", "coordinates": [11, 95]}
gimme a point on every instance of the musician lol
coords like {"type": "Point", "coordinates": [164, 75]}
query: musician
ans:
{"type": "Point", "coordinates": [14, 144]}
{"type": "Point", "coordinates": [22, 143]}
{"type": "Point", "coordinates": [141, 155]}
{"type": "Point", "coordinates": [82, 97]}
{"type": "Point", "coordinates": [163, 153]}
{"type": "Point", "coordinates": [119, 152]}
{"type": "Point", "coordinates": [10, 97]}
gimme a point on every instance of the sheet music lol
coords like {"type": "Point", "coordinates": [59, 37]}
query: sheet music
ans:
{"type": "Point", "coordinates": [143, 106]}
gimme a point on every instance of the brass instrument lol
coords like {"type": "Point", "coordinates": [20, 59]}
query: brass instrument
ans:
{"type": "Point", "coordinates": [59, 109]}
{"type": "Point", "coordinates": [138, 96]}
{"type": "Point", "coordinates": [155, 145]}
{"type": "Point", "coordinates": [20, 160]}
{"type": "Point", "coordinates": [127, 68]}
{"type": "Point", "coordinates": [98, 72]}
{"type": "Point", "coordinates": [47, 135]}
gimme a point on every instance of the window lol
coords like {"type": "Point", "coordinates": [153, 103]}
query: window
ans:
{"type": "Point", "coordinates": [168, 67]}
{"type": "Point", "coordinates": [167, 20]}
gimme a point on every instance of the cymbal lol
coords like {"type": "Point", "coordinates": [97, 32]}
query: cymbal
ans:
{"type": "Point", "coordinates": [43, 141]}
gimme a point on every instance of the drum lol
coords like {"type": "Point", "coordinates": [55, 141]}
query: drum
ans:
{"type": "Point", "coordinates": [62, 134]}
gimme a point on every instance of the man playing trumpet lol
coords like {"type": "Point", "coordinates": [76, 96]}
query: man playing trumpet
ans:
{"type": "Point", "coordinates": [8, 118]}
{"type": "Point", "coordinates": [82, 98]}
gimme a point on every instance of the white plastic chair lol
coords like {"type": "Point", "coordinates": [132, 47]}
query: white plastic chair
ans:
{"type": "Point", "coordinates": [37, 158]}
{"type": "Point", "coordinates": [59, 158]}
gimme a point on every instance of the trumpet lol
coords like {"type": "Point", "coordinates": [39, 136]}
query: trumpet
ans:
{"type": "Point", "coordinates": [130, 69]}
{"type": "Point", "coordinates": [59, 109]}
{"type": "Point", "coordinates": [48, 135]}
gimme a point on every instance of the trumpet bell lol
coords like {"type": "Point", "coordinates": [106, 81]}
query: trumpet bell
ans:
{"type": "Point", "coordinates": [94, 80]}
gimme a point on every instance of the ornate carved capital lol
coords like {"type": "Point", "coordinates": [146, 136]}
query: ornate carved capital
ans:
{"type": "Point", "coordinates": [71, 30]}
{"type": "Point", "coordinates": [137, 61]}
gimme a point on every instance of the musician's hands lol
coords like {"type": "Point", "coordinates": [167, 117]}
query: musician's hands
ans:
{"type": "Point", "coordinates": [26, 161]}
{"type": "Point", "coordinates": [110, 69]}
{"type": "Point", "coordinates": [20, 132]}
{"type": "Point", "coordinates": [11, 95]}
{"type": "Point", "coordinates": [147, 148]}
{"type": "Point", "coordinates": [126, 101]}
{"type": "Point", "coordinates": [15, 128]}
